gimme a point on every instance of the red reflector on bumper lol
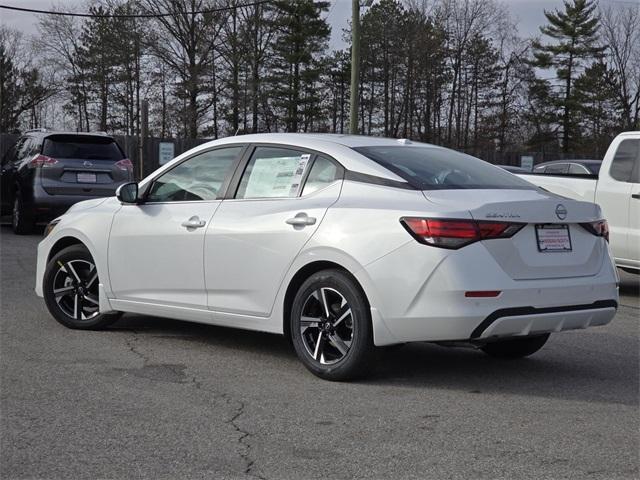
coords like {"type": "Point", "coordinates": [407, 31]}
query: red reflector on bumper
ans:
{"type": "Point", "coordinates": [482, 293]}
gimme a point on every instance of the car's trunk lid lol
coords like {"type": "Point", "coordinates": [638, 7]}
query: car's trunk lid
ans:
{"type": "Point", "coordinates": [85, 165]}
{"type": "Point", "coordinates": [528, 255]}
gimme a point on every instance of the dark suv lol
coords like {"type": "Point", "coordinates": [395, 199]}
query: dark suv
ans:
{"type": "Point", "coordinates": [45, 173]}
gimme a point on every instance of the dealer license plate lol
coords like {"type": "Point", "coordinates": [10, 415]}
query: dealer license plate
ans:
{"type": "Point", "coordinates": [553, 238]}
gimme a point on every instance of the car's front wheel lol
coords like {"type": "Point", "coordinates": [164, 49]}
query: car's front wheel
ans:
{"type": "Point", "coordinates": [515, 347]}
{"type": "Point", "coordinates": [331, 326]}
{"type": "Point", "coordinates": [71, 290]}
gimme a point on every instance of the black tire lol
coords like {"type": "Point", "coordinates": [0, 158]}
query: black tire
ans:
{"type": "Point", "coordinates": [343, 339]}
{"type": "Point", "coordinates": [21, 219]}
{"type": "Point", "coordinates": [62, 274]}
{"type": "Point", "coordinates": [516, 347]}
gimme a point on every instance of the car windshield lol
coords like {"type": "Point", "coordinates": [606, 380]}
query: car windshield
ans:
{"type": "Point", "coordinates": [433, 168]}
{"type": "Point", "coordinates": [82, 148]}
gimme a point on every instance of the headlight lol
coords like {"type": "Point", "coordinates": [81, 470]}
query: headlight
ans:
{"type": "Point", "coordinates": [50, 226]}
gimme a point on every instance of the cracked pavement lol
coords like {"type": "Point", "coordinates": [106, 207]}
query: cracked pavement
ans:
{"type": "Point", "coordinates": [162, 399]}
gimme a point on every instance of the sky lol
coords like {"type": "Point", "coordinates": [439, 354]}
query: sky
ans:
{"type": "Point", "coordinates": [529, 14]}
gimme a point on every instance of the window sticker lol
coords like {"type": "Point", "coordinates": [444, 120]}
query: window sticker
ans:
{"type": "Point", "coordinates": [297, 175]}
{"type": "Point", "coordinates": [275, 177]}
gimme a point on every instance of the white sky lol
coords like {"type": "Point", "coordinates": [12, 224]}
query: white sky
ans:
{"type": "Point", "coordinates": [528, 13]}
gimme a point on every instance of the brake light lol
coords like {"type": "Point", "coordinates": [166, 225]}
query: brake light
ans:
{"type": "Point", "coordinates": [454, 233]}
{"type": "Point", "coordinates": [125, 164]}
{"type": "Point", "coordinates": [42, 161]}
{"type": "Point", "coordinates": [599, 228]}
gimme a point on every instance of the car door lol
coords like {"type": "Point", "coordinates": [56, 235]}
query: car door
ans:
{"type": "Point", "coordinates": [156, 247]}
{"type": "Point", "coordinates": [614, 194]}
{"type": "Point", "coordinates": [257, 233]}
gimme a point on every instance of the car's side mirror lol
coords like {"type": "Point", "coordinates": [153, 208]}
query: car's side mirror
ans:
{"type": "Point", "coordinates": [127, 192]}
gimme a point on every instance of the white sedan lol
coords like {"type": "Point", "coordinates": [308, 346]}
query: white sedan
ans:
{"type": "Point", "coordinates": [341, 243]}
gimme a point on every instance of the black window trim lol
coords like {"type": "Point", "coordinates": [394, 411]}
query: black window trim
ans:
{"type": "Point", "coordinates": [239, 172]}
{"type": "Point", "coordinates": [223, 188]}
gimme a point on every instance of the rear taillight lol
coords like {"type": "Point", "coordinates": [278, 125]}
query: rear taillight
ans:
{"type": "Point", "coordinates": [42, 161]}
{"type": "Point", "coordinates": [599, 228]}
{"type": "Point", "coordinates": [453, 233]}
{"type": "Point", "coordinates": [125, 164]}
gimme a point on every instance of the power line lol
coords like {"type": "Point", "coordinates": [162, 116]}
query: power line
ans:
{"type": "Point", "coordinates": [132, 15]}
{"type": "Point", "coordinates": [636, 3]}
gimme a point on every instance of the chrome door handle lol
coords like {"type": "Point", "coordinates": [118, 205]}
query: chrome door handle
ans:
{"type": "Point", "coordinates": [301, 220]}
{"type": "Point", "coordinates": [193, 222]}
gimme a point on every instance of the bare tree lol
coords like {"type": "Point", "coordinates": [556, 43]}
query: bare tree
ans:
{"type": "Point", "coordinates": [620, 30]}
{"type": "Point", "coordinates": [184, 43]}
{"type": "Point", "coordinates": [59, 45]}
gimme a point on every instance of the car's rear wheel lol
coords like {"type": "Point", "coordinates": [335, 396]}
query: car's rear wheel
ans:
{"type": "Point", "coordinates": [21, 219]}
{"type": "Point", "coordinates": [331, 326]}
{"type": "Point", "coordinates": [71, 290]}
{"type": "Point", "coordinates": [516, 347]}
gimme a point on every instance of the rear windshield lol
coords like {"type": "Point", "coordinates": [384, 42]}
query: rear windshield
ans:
{"type": "Point", "coordinates": [429, 168]}
{"type": "Point", "coordinates": [82, 148]}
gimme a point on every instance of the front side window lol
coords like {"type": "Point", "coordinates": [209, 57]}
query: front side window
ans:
{"type": "Point", "coordinates": [434, 168]}
{"type": "Point", "coordinates": [273, 172]}
{"type": "Point", "coordinates": [627, 155]}
{"type": "Point", "coordinates": [199, 178]}
{"type": "Point", "coordinates": [323, 172]}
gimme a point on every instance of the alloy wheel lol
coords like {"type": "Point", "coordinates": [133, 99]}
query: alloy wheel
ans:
{"type": "Point", "coordinates": [326, 326]}
{"type": "Point", "coordinates": [75, 289]}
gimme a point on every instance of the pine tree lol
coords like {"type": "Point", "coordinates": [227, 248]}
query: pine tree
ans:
{"type": "Point", "coordinates": [300, 41]}
{"type": "Point", "coordinates": [599, 107]}
{"type": "Point", "coordinates": [575, 31]}
{"type": "Point", "coordinates": [8, 92]}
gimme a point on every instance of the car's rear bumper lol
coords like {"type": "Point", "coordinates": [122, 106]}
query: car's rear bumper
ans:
{"type": "Point", "coordinates": [46, 207]}
{"type": "Point", "coordinates": [509, 322]}
{"type": "Point", "coordinates": [422, 297]}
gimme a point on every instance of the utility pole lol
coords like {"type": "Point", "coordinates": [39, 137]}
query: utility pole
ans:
{"type": "Point", "coordinates": [355, 63]}
{"type": "Point", "coordinates": [355, 66]}
{"type": "Point", "coordinates": [144, 134]}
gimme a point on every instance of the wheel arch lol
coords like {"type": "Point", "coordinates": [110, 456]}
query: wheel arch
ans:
{"type": "Point", "coordinates": [299, 278]}
{"type": "Point", "coordinates": [63, 243]}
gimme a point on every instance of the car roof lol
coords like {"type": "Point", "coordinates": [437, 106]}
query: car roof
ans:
{"type": "Point", "coordinates": [351, 141]}
{"type": "Point", "coordinates": [49, 133]}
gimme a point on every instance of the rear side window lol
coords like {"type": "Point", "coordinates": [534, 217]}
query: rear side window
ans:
{"type": "Point", "coordinates": [625, 159]}
{"type": "Point", "coordinates": [82, 148]}
{"type": "Point", "coordinates": [576, 169]}
{"type": "Point", "coordinates": [323, 172]}
{"type": "Point", "coordinates": [273, 172]}
{"type": "Point", "coordinates": [557, 168]}
{"type": "Point", "coordinates": [434, 168]}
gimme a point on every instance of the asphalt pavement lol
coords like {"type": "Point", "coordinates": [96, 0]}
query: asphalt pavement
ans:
{"type": "Point", "coordinates": [162, 399]}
